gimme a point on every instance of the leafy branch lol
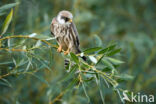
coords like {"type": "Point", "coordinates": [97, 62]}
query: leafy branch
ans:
{"type": "Point", "coordinates": [97, 56]}
{"type": "Point", "coordinates": [100, 64]}
{"type": "Point", "coordinates": [89, 71]}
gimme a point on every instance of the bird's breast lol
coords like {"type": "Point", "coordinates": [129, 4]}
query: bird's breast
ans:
{"type": "Point", "coordinates": [62, 34]}
{"type": "Point", "coordinates": [60, 30]}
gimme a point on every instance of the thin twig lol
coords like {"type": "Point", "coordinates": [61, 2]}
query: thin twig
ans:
{"type": "Point", "coordinates": [13, 49]}
{"type": "Point", "coordinates": [23, 36]}
{"type": "Point", "coordinates": [5, 75]}
{"type": "Point", "coordinates": [57, 98]}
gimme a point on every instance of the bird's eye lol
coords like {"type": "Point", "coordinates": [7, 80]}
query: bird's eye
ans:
{"type": "Point", "coordinates": [65, 18]}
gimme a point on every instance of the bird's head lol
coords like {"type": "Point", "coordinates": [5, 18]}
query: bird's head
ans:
{"type": "Point", "coordinates": [64, 17]}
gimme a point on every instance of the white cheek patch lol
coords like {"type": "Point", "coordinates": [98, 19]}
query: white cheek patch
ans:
{"type": "Point", "coordinates": [61, 21]}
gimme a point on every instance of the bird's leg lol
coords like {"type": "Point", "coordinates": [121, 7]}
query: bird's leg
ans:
{"type": "Point", "coordinates": [59, 48]}
{"type": "Point", "coordinates": [67, 51]}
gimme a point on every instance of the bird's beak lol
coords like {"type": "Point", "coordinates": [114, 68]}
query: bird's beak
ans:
{"type": "Point", "coordinates": [70, 20]}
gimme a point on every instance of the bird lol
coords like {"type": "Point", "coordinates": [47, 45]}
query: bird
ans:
{"type": "Point", "coordinates": [64, 30]}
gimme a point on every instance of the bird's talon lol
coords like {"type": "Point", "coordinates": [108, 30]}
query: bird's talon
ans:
{"type": "Point", "coordinates": [59, 49]}
{"type": "Point", "coordinates": [66, 52]}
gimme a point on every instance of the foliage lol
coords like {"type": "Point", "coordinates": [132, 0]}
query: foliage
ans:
{"type": "Point", "coordinates": [31, 71]}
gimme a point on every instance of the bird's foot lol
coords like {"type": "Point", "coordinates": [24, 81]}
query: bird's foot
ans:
{"type": "Point", "coordinates": [66, 52]}
{"type": "Point", "coordinates": [59, 49]}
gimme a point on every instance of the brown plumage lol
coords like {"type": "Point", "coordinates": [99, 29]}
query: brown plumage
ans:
{"type": "Point", "coordinates": [65, 32]}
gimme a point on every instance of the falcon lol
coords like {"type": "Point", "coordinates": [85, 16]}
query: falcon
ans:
{"type": "Point", "coordinates": [65, 32]}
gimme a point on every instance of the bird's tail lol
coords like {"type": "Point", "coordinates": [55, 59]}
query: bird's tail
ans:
{"type": "Point", "coordinates": [84, 58]}
{"type": "Point", "coordinates": [66, 64]}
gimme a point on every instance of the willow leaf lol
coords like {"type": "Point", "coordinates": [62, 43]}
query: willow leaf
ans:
{"type": "Point", "coordinates": [7, 22]}
{"type": "Point", "coordinates": [91, 50]}
{"type": "Point", "coordinates": [74, 57]}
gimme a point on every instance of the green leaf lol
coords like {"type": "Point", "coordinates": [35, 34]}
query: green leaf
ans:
{"type": "Point", "coordinates": [124, 77]}
{"type": "Point", "coordinates": [2, 13]}
{"type": "Point", "coordinates": [85, 65]}
{"type": "Point", "coordinates": [98, 82]}
{"type": "Point", "coordinates": [6, 82]}
{"type": "Point", "coordinates": [40, 78]}
{"type": "Point", "coordinates": [71, 85]}
{"type": "Point", "coordinates": [41, 60]}
{"type": "Point", "coordinates": [109, 48]}
{"type": "Point", "coordinates": [5, 63]}
{"type": "Point", "coordinates": [69, 74]}
{"type": "Point", "coordinates": [114, 52]}
{"type": "Point", "coordinates": [97, 40]}
{"type": "Point", "coordinates": [8, 6]}
{"type": "Point", "coordinates": [85, 91]}
{"type": "Point", "coordinates": [100, 59]}
{"type": "Point", "coordinates": [89, 79]}
{"type": "Point", "coordinates": [107, 63]}
{"type": "Point", "coordinates": [93, 59]}
{"type": "Point", "coordinates": [91, 50]}
{"type": "Point", "coordinates": [7, 22]}
{"type": "Point", "coordinates": [74, 57]}
{"type": "Point", "coordinates": [115, 61]}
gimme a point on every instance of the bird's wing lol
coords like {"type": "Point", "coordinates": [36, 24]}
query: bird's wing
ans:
{"type": "Point", "coordinates": [52, 26]}
{"type": "Point", "coordinates": [75, 34]}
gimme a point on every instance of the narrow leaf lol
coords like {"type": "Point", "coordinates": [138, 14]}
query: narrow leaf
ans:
{"type": "Point", "coordinates": [91, 50]}
{"type": "Point", "coordinates": [115, 61]}
{"type": "Point", "coordinates": [7, 22]}
{"type": "Point", "coordinates": [69, 74]}
{"type": "Point", "coordinates": [97, 40]}
{"type": "Point", "coordinates": [99, 60]}
{"type": "Point", "coordinates": [85, 92]}
{"type": "Point", "coordinates": [107, 63]}
{"type": "Point", "coordinates": [114, 52]}
{"type": "Point", "coordinates": [8, 6]}
{"type": "Point", "coordinates": [111, 47]}
{"type": "Point", "coordinates": [74, 57]}
{"type": "Point", "coordinates": [72, 83]}
{"type": "Point", "coordinates": [6, 82]}
{"type": "Point", "coordinates": [124, 77]}
{"type": "Point", "coordinates": [93, 59]}
{"type": "Point", "coordinates": [33, 35]}
{"type": "Point", "coordinates": [2, 13]}
{"type": "Point", "coordinates": [89, 79]}
{"type": "Point", "coordinates": [98, 82]}
{"type": "Point", "coordinates": [40, 78]}
{"type": "Point", "coordinates": [38, 43]}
